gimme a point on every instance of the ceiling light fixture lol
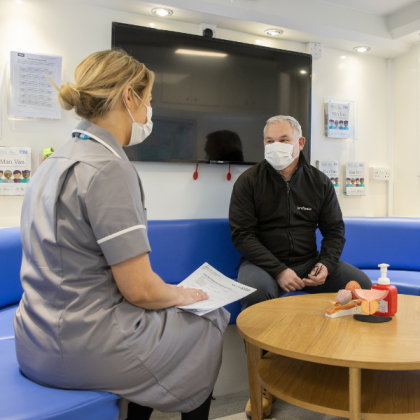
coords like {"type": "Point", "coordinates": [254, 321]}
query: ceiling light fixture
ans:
{"type": "Point", "coordinates": [303, 71]}
{"type": "Point", "coordinates": [159, 11]}
{"type": "Point", "coordinates": [273, 32]}
{"type": "Point", "coordinates": [343, 57]}
{"type": "Point", "coordinates": [201, 53]}
{"type": "Point", "coordinates": [361, 49]}
{"type": "Point", "coordinates": [258, 41]}
{"type": "Point", "coordinates": [152, 25]}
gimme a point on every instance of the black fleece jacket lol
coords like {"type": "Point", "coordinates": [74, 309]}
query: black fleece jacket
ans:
{"type": "Point", "coordinates": [273, 222]}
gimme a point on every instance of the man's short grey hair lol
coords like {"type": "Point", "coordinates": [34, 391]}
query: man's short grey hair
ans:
{"type": "Point", "coordinates": [280, 118]}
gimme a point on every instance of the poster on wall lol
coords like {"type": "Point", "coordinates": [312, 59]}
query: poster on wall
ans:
{"type": "Point", "coordinates": [31, 93]}
{"type": "Point", "coordinates": [337, 120]}
{"type": "Point", "coordinates": [330, 168]}
{"type": "Point", "coordinates": [355, 179]}
{"type": "Point", "coordinates": [15, 170]}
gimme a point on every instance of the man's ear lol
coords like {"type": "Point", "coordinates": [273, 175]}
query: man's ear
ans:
{"type": "Point", "coordinates": [302, 142]}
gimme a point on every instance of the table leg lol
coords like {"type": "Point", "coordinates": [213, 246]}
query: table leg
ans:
{"type": "Point", "coordinates": [355, 403]}
{"type": "Point", "coordinates": [253, 355]}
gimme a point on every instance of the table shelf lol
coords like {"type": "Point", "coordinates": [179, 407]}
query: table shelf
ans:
{"type": "Point", "coordinates": [385, 394]}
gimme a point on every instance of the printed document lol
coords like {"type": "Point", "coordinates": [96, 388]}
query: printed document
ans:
{"type": "Point", "coordinates": [32, 95]}
{"type": "Point", "coordinates": [220, 289]}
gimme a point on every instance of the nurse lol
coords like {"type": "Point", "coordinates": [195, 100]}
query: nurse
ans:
{"type": "Point", "coordinates": [94, 315]}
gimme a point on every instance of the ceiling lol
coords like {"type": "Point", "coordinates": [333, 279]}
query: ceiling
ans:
{"type": "Point", "coordinates": [378, 7]}
{"type": "Point", "coordinates": [388, 27]}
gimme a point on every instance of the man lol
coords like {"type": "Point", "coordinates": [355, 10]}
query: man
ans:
{"type": "Point", "coordinates": [7, 175]}
{"type": "Point", "coordinates": [275, 209]}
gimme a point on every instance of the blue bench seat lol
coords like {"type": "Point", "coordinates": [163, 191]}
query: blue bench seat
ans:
{"type": "Point", "coordinates": [22, 399]}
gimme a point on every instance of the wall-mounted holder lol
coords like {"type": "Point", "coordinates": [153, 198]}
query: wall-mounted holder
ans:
{"type": "Point", "coordinates": [340, 119]}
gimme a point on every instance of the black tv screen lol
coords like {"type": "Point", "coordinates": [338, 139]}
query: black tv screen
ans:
{"type": "Point", "coordinates": [212, 97]}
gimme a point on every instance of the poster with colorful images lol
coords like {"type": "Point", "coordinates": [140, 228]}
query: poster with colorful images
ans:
{"type": "Point", "coordinates": [330, 168]}
{"type": "Point", "coordinates": [15, 170]}
{"type": "Point", "coordinates": [337, 120]}
{"type": "Point", "coordinates": [355, 179]}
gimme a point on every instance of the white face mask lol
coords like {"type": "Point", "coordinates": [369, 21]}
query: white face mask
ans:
{"type": "Point", "coordinates": [279, 155]}
{"type": "Point", "coordinates": [139, 131]}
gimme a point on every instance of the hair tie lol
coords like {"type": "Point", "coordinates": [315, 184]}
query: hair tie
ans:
{"type": "Point", "coordinates": [75, 90]}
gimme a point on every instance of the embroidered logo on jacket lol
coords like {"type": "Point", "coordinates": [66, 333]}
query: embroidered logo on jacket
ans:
{"type": "Point", "coordinates": [303, 208]}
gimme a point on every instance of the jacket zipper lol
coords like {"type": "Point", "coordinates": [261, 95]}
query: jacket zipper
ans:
{"type": "Point", "coordinates": [290, 212]}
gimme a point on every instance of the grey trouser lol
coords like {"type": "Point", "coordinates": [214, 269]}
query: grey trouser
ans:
{"type": "Point", "coordinates": [268, 288]}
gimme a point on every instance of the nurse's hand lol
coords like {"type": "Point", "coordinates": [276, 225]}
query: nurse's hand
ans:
{"type": "Point", "coordinates": [142, 287]}
{"type": "Point", "coordinates": [191, 295]}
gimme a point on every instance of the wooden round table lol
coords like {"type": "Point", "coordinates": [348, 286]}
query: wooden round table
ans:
{"type": "Point", "coordinates": [336, 366]}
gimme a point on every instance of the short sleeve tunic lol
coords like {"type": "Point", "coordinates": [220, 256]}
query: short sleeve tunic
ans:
{"type": "Point", "coordinates": [83, 212]}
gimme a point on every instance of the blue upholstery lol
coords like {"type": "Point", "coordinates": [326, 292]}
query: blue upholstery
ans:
{"type": "Point", "coordinates": [374, 240]}
{"type": "Point", "coordinates": [179, 247]}
{"type": "Point", "coordinates": [6, 321]}
{"type": "Point", "coordinates": [407, 282]}
{"type": "Point", "coordinates": [22, 399]}
{"type": "Point", "coordinates": [10, 261]}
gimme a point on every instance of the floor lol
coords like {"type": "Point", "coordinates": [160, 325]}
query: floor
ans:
{"type": "Point", "coordinates": [232, 407]}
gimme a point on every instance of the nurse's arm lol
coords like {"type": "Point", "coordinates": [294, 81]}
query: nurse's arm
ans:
{"type": "Point", "coordinates": [142, 287]}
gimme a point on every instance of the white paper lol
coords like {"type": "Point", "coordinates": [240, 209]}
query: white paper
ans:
{"type": "Point", "coordinates": [355, 179]}
{"type": "Point", "coordinates": [330, 168]}
{"type": "Point", "coordinates": [220, 289]}
{"type": "Point", "coordinates": [32, 95]}
{"type": "Point", "coordinates": [15, 170]}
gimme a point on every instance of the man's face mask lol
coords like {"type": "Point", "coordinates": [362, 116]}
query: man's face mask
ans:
{"type": "Point", "coordinates": [279, 155]}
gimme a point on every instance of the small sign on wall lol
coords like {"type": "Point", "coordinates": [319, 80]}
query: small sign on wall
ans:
{"type": "Point", "coordinates": [355, 179]}
{"type": "Point", "coordinates": [340, 119]}
{"type": "Point", "coordinates": [15, 170]}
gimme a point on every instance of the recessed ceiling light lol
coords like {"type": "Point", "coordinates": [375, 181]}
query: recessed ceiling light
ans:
{"type": "Point", "coordinates": [303, 71]}
{"type": "Point", "coordinates": [343, 57]}
{"type": "Point", "coordinates": [258, 41]}
{"type": "Point", "coordinates": [361, 49]}
{"type": "Point", "coordinates": [152, 25]}
{"type": "Point", "coordinates": [273, 32]}
{"type": "Point", "coordinates": [159, 11]}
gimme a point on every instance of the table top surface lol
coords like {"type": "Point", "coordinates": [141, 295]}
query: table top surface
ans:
{"type": "Point", "coordinates": [297, 327]}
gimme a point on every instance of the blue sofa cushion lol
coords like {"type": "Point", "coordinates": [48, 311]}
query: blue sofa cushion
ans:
{"type": "Point", "coordinates": [407, 282]}
{"type": "Point", "coordinates": [10, 262]}
{"type": "Point", "coordinates": [182, 246]}
{"type": "Point", "coordinates": [22, 399]}
{"type": "Point", "coordinates": [6, 322]}
{"type": "Point", "coordinates": [375, 240]}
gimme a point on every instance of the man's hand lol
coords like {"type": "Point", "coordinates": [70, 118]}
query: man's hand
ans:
{"type": "Point", "coordinates": [289, 281]}
{"type": "Point", "coordinates": [321, 275]}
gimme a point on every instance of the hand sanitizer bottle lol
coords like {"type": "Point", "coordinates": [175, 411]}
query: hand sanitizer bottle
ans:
{"type": "Point", "coordinates": [388, 306]}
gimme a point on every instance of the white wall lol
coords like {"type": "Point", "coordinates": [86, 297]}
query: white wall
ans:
{"type": "Point", "coordinates": [363, 79]}
{"type": "Point", "coordinates": [407, 140]}
{"type": "Point", "coordinates": [76, 30]}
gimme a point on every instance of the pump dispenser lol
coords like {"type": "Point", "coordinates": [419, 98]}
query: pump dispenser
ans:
{"type": "Point", "coordinates": [383, 279]}
{"type": "Point", "coordinates": [387, 306]}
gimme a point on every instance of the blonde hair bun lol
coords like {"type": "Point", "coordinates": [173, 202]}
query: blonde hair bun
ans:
{"type": "Point", "coordinates": [68, 96]}
{"type": "Point", "coordinates": [100, 80]}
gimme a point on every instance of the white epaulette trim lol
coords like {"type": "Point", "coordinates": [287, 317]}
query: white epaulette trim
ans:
{"type": "Point", "coordinates": [121, 232]}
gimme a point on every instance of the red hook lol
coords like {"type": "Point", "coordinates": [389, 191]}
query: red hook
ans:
{"type": "Point", "coordinates": [229, 175]}
{"type": "Point", "coordinates": [195, 176]}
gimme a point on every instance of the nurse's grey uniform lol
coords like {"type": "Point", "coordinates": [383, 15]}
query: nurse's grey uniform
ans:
{"type": "Point", "coordinates": [83, 212]}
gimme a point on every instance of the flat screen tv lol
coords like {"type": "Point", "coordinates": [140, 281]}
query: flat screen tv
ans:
{"type": "Point", "coordinates": [212, 97]}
